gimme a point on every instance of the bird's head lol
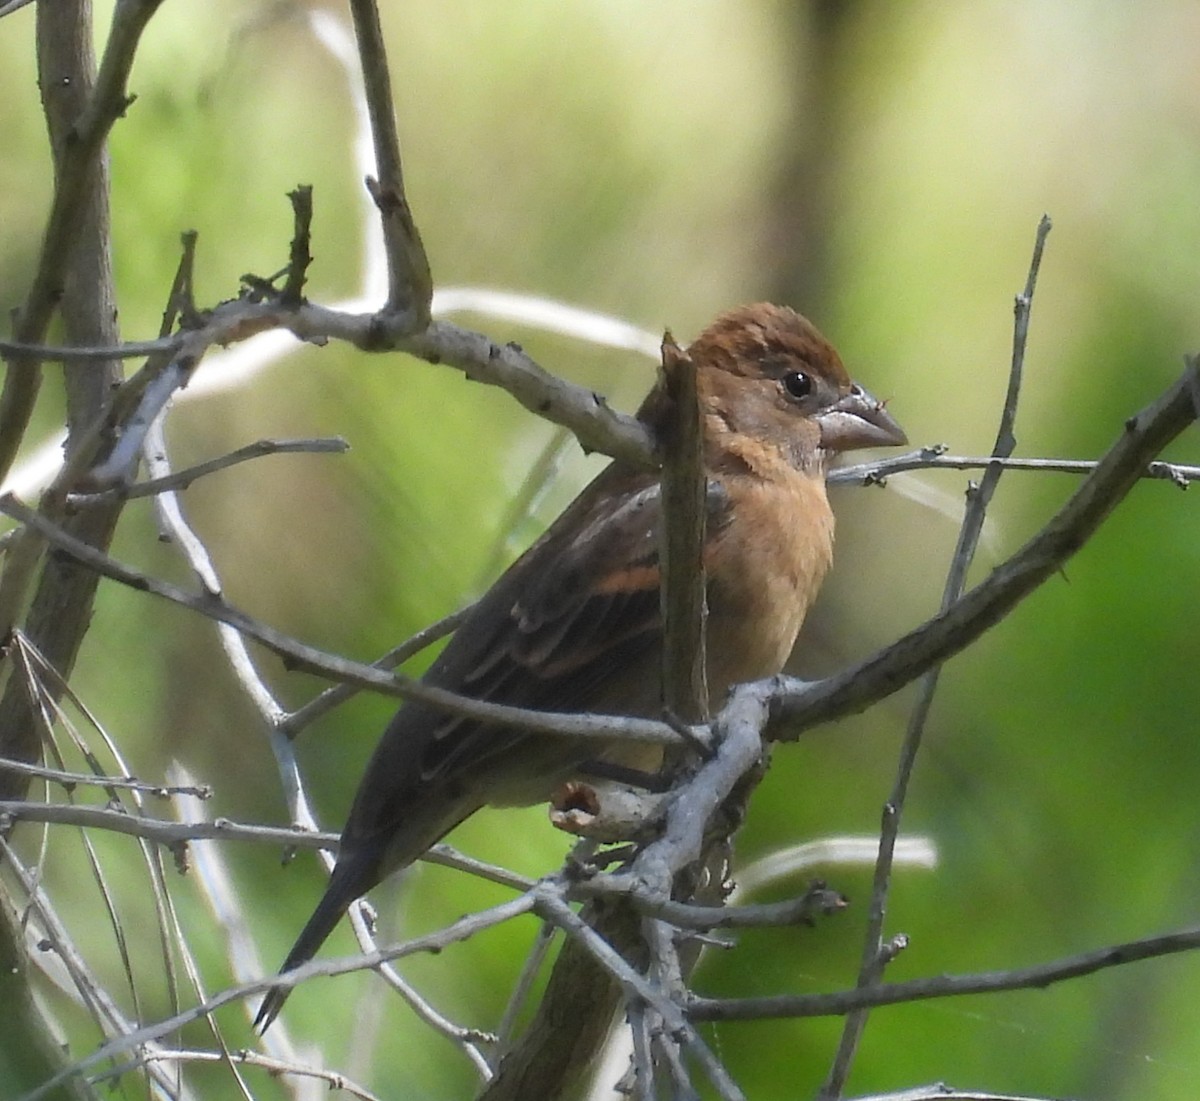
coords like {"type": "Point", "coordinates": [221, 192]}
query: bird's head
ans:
{"type": "Point", "coordinates": [766, 373]}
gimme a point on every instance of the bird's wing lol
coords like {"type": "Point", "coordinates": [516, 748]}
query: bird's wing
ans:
{"type": "Point", "coordinates": [561, 630]}
{"type": "Point", "coordinates": [573, 617]}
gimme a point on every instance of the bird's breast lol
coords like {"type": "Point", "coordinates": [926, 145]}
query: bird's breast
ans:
{"type": "Point", "coordinates": [765, 568]}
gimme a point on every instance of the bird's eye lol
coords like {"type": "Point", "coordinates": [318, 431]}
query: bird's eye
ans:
{"type": "Point", "coordinates": [797, 384]}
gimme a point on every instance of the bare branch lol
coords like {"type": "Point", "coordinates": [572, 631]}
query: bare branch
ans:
{"type": "Point", "coordinates": [943, 986]}
{"type": "Point", "coordinates": [799, 706]}
{"type": "Point", "coordinates": [103, 1008]}
{"type": "Point", "coordinates": [681, 542]}
{"type": "Point", "coordinates": [298, 655]}
{"type": "Point", "coordinates": [585, 413]}
{"type": "Point", "coordinates": [77, 149]}
{"type": "Point", "coordinates": [522, 990]}
{"type": "Point", "coordinates": [159, 384]}
{"type": "Point", "coordinates": [941, 1092]}
{"type": "Point", "coordinates": [410, 285]}
{"type": "Point", "coordinates": [184, 478]}
{"type": "Point", "coordinates": [935, 458]}
{"type": "Point", "coordinates": [582, 996]}
{"type": "Point", "coordinates": [817, 901]}
{"type": "Point", "coordinates": [553, 908]}
{"type": "Point", "coordinates": [137, 349]}
{"type": "Point", "coordinates": [74, 276]}
{"type": "Point", "coordinates": [74, 779]}
{"type": "Point", "coordinates": [398, 655]}
{"type": "Point", "coordinates": [280, 1068]}
{"type": "Point", "coordinates": [300, 257]}
{"type": "Point", "coordinates": [696, 802]}
{"type": "Point", "coordinates": [876, 955]}
{"type": "Point", "coordinates": [435, 942]}
{"type": "Point", "coordinates": [158, 830]}
{"type": "Point", "coordinates": [174, 834]}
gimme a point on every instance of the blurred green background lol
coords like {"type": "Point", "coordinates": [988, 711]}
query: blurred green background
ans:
{"type": "Point", "coordinates": [881, 167]}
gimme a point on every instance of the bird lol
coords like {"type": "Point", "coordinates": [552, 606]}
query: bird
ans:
{"type": "Point", "coordinates": [575, 623]}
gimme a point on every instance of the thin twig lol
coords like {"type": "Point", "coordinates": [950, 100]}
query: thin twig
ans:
{"type": "Point", "coordinates": [74, 779]}
{"type": "Point", "coordinates": [551, 906]}
{"type": "Point", "coordinates": [816, 902]}
{"type": "Point", "coordinates": [435, 942]}
{"type": "Point", "coordinates": [469, 1041]}
{"type": "Point", "coordinates": [581, 411]}
{"type": "Point", "coordinates": [320, 705]}
{"type": "Point", "coordinates": [298, 655]}
{"type": "Point", "coordinates": [798, 705]}
{"type": "Point", "coordinates": [164, 381]}
{"type": "Point", "coordinates": [875, 957]}
{"type": "Point", "coordinates": [410, 285]}
{"type": "Point", "coordinates": [523, 988]}
{"type": "Point", "coordinates": [86, 986]}
{"type": "Point", "coordinates": [170, 512]}
{"type": "Point", "coordinates": [935, 458]}
{"type": "Point", "coordinates": [138, 402]}
{"type": "Point", "coordinates": [175, 834]}
{"type": "Point", "coordinates": [182, 479]}
{"type": "Point", "coordinates": [214, 883]}
{"type": "Point", "coordinates": [1036, 977]}
{"type": "Point", "coordinates": [57, 353]}
{"type": "Point", "coordinates": [642, 1069]}
{"type": "Point", "coordinates": [278, 1068]}
{"type": "Point", "coordinates": [942, 1092]}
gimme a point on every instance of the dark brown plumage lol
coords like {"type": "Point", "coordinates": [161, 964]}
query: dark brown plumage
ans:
{"type": "Point", "coordinates": [574, 624]}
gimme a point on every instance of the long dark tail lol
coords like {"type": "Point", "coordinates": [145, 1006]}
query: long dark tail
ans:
{"type": "Point", "coordinates": [347, 883]}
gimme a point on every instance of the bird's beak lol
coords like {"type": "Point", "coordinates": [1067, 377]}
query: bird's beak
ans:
{"type": "Point", "coordinates": [858, 420]}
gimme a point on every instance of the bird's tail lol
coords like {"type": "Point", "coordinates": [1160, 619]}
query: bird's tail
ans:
{"type": "Point", "coordinates": [345, 885]}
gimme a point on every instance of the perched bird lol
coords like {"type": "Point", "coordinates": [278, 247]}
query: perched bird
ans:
{"type": "Point", "coordinates": [575, 625]}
